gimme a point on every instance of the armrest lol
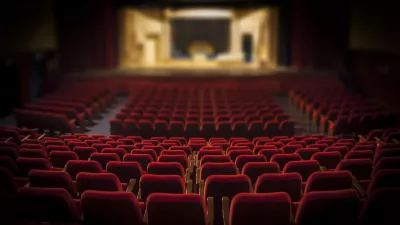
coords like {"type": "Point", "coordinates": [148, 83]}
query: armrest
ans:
{"type": "Point", "coordinates": [139, 195]}
{"type": "Point", "coordinates": [201, 188]}
{"type": "Point", "coordinates": [362, 138]}
{"type": "Point", "coordinates": [323, 168]}
{"type": "Point", "coordinates": [41, 136]}
{"type": "Point", "coordinates": [356, 185]}
{"type": "Point", "coordinates": [146, 217]}
{"type": "Point", "coordinates": [189, 186]}
{"type": "Point", "coordinates": [331, 127]}
{"type": "Point", "coordinates": [187, 174]}
{"type": "Point", "coordinates": [131, 185]}
{"type": "Point", "coordinates": [8, 139]}
{"type": "Point", "coordinates": [197, 175]}
{"type": "Point", "coordinates": [395, 140]}
{"type": "Point", "coordinates": [225, 210]}
{"type": "Point", "coordinates": [210, 210]}
{"type": "Point", "coordinates": [25, 138]}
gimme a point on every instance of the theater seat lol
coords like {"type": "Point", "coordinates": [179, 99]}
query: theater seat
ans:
{"type": "Point", "coordinates": [290, 183]}
{"type": "Point", "coordinates": [52, 179]}
{"type": "Point", "coordinates": [219, 186]}
{"type": "Point", "coordinates": [177, 209]}
{"type": "Point", "coordinates": [305, 168]}
{"type": "Point", "coordinates": [260, 209]}
{"type": "Point", "coordinates": [73, 167]}
{"type": "Point", "coordinates": [381, 207]}
{"type": "Point", "coordinates": [150, 183]}
{"type": "Point", "coordinates": [255, 169]}
{"type": "Point", "coordinates": [329, 181]}
{"type": "Point", "coordinates": [126, 171]}
{"type": "Point", "coordinates": [328, 207]}
{"type": "Point", "coordinates": [117, 208]}
{"type": "Point", "coordinates": [97, 181]}
{"type": "Point", "coordinates": [51, 205]}
{"type": "Point", "coordinates": [60, 158]}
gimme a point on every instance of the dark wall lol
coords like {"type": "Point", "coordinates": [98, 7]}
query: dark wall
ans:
{"type": "Point", "coordinates": [374, 56]}
{"type": "Point", "coordinates": [320, 34]}
{"type": "Point", "coordinates": [86, 34]}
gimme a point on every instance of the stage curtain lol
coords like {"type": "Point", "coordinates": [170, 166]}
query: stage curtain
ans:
{"type": "Point", "coordinates": [213, 31]}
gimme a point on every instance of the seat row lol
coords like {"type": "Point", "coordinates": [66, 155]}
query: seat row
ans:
{"type": "Point", "coordinates": [148, 129]}
{"type": "Point", "coordinates": [226, 198]}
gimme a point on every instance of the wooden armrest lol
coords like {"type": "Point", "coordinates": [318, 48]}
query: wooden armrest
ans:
{"type": "Point", "coordinates": [197, 175]}
{"type": "Point", "coordinates": [41, 136]}
{"type": "Point", "coordinates": [323, 168]}
{"type": "Point", "coordinates": [331, 127]}
{"type": "Point", "coordinates": [131, 185]}
{"type": "Point", "coordinates": [28, 184]}
{"type": "Point", "coordinates": [187, 174]}
{"type": "Point", "coordinates": [8, 139]}
{"type": "Point", "coordinates": [189, 186]}
{"type": "Point", "coordinates": [362, 138]}
{"type": "Point", "coordinates": [356, 185]}
{"type": "Point", "coordinates": [225, 210]}
{"type": "Point", "coordinates": [146, 217]}
{"type": "Point", "coordinates": [210, 210]}
{"type": "Point", "coordinates": [201, 188]}
{"type": "Point", "coordinates": [139, 195]}
{"type": "Point", "coordinates": [395, 140]}
{"type": "Point", "coordinates": [25, 138]}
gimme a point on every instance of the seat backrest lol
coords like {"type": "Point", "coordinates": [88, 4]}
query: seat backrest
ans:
{"type": "Point", "coordinates": [260, 208]}
{"type": "Point", "coordinates": [46, 205]}
{"type": "Point", "coordinates": [214, 159]}
{"type": "Point", "coordinates": [329, 181]}
{"type": "Point", "coordinates": [60, 158]}
{"type": "Point", "coordinates": [27, 164]}
{"type": "Point", "coordinates": [51, 179]}
{"type": "Point", "coordinates": [381, 207]}
{"type": "Point", "coordinates": [282, 159]}
{"type": "Point", "coordinates": [218, 186]}
{"type": "Point", "coordinates": [255, 169]}
{"type": "Point", "coordinates": [104, 158]}
{"type": "Point", "coordinates": [328, 159]}
{"type": "Point", "coordinates": [125, 171]}
{"type": "Point", "coordinates": [328, 207]}
{"type": "Point", "coordinates": [9, 164]}
{"type": "Point", "coordinates": [359, 168]}
{"type": "Point", "coordinates": [387, 163]}
{"type": "Point", "coordinates": [385, 178]}
{"type": "Point", "coordinates": [182, 159]}
{"type": "Point", "coordinates": [97, 181]}
{"type": "Point", "coordinates": [117, 208]}
{"type": "Point", "coordinates": [73, 167]}
{"type": "Point", "coordinates": [242, 160]}
{"type": "Point", "coordinates": [291, 183]}
{"type": "Point", "coordinates": [166, 168]}
{"type": "Point", "coordinates": [305, 168]}
{"type": "Point", "coordinates": [84, 152]}
{"type": "Point", "coordinates": [142, 159]}
{"type": "Point", "coordinates": [177, 209]}
{"type": "Point", "coordinates": [7, 186]}
{"type": "Point", "coordinates": [360, 154]}
{"type": "Point", "coordinates": [150, 183]}
{"type": "Point", "coordinates": [210, 168]}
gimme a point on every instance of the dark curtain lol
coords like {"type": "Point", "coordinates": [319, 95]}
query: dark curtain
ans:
{"type": "Point", "coordinates": [216, 32]}
{"type": "Point", "coordinates": [86, 34]}
{"type": "Point", "coordinates": [320, 34]}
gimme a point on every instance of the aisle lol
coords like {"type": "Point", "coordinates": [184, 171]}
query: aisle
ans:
{"type": "Point", "coordinates": [302, 126]}
{"type": "Point", "coordinates": [103, 126]}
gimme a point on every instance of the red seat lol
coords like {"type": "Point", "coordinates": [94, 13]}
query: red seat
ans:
{"type": "Point", "coordinates": [104, 207]}
{"type": "Point", "coordinates": [257, 208]}
{"type": "Point", "coordinates": [60, 158]}
{"type": "Point", "coordinates": [291, 183]}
